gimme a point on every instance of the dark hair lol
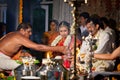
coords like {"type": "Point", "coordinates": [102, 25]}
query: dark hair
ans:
{"type": "Point", "coordinates": [112, 23]}
{"type": "Point", "coordinates": [24, 26]}
{"type": "Point", "coordinates": [84, 14]}
{"type": "Point", "coordinates": [55, 21]}
{"type": "Point", "coordinates": [104, 20]}
{"type": "Point", "coordinates": [65, 23]}
{"type": "Point", "coordinates": [95, 16]}
{"type": "Point", "coordinates": [95, 21]}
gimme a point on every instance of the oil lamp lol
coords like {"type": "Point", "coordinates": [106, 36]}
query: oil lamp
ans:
{"type": "Point", "coordinates": [48, 57]}
{"type": "Point", "coordinates": [75, 4]}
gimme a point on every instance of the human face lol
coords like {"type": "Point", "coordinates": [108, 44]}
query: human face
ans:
{"type": "Point", "coordinates": [63, 30]}
{"type": "Point", "coordinates": [82, 21]}
{"type": "Point", "coordinates": [92, 28]}
{"type": "Point", "coordinates": [53, 26]}
{"type": "Point", "coordinates": [27, 33]}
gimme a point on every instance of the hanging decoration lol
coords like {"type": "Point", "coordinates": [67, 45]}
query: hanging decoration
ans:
{"type": "Point", "coordinates": [20, 11]}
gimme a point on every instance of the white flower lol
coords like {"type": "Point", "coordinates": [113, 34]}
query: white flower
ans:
{"type": "Point", "coordinates": [58, 38]}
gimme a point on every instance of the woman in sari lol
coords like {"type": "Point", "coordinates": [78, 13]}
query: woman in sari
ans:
{"type": "Point", "coordinates": [65, 39]}
{"type": "Point", "coordinates": [49, 36]}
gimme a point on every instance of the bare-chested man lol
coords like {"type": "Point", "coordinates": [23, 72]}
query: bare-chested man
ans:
{"type": "Point", "coordinates": [11, 43]}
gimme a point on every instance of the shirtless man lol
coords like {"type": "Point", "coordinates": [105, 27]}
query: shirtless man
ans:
{"type": "Point", "coordinates": [12, 42]}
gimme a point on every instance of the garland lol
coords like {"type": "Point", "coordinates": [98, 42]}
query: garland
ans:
{"type": "Point", "coordinates": [58, 38]}
{"type": "Point", "coordinates": [20, 11]}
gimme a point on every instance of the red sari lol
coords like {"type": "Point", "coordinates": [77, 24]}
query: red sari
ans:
{"type": "Point", "coordinates": [66, 62]}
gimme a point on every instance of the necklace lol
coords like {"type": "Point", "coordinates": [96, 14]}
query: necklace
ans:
{"type": "Point", "coordinates": [58, 38]}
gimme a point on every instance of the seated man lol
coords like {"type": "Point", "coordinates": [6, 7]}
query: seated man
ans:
{"type": "Point", "coordinates": [12, 42]}
{"type": "Point", "coordinates": [102, 44]}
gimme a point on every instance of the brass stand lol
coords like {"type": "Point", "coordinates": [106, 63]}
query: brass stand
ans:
{"type": "Point", "coordinates": [75, 4]}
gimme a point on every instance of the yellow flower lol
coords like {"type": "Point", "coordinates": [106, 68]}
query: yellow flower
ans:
{"type": "Point", "coordinates": [2, 76]}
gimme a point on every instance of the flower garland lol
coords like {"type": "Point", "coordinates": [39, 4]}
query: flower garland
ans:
{"type": "Point", "coordinates": [58, 38]}
{"type": "Point", "coordinates": [20, 11]}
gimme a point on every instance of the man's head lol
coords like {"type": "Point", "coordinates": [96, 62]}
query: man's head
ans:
{"type": "Point", "coordinates": [105, 22]}
{"type": "Point", "coordinates": [83, 18]}
{"type": "Point", "coordinates": [25, 29]}
{"type": "Point", "coordinates": [93, 25]}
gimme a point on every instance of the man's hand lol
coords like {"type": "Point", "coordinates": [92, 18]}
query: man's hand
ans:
{"type": "Point", "coordinates": [66, 50]}
{"type": "Point", "coordinates": [19, 54]}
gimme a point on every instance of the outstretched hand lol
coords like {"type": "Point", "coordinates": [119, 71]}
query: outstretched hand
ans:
{"type": "Point", "coordinates": [66, 50]}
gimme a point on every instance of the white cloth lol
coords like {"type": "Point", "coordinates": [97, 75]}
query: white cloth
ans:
{"type": "Point", "coordinates": [83, 28]}
{"type": "Point", "coordinates": [103, 44]}
{"type": "Point", "coordinates": [84, 31]}
{"type": "Point", "coordinates": [6, 63]}
{"type": "Point", "coordinates": [112, 36]}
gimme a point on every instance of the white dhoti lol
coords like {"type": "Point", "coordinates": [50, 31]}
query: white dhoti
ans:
{"type": "Point", "coordinates": [6, 63]}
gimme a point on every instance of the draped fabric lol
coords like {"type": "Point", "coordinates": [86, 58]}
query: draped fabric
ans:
{"type": "Point", "coordinates": [62, 11]}
{"type": "Point", "coordinates": [66, 62]}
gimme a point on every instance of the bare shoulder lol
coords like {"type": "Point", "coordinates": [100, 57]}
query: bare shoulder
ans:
{"type": "Point", "coordinates": [13, 36]}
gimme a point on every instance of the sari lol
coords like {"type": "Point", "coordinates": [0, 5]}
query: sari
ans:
{"type": "Point", "coordinates": [66, 61]}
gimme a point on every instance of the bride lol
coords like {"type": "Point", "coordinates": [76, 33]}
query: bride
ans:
{"type": "Point", "coordinates": [64, 39]}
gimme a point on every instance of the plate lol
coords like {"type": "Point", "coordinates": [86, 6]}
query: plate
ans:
{"type": "Point", "coordinates": [30, 77]}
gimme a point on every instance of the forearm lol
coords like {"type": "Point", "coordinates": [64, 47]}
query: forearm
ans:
{"type": "Point", "coordinates": [104, 56]}
{"type": "Point", "coordinates": [56, 48]}
{"type": "Point", "coordinates": [114, 55]}
{"type": "Point", "coordinates": [52, 48]}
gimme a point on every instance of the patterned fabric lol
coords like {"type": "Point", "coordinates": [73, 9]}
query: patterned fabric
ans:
{"type": "Point", "coordinates": [48, 38]}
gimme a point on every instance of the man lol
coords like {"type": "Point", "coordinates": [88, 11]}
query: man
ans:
{"type": "Point", "coordinates": [82, 30]}
{"type": "Point", "coordinates": [101, 45]}
{"type": "Point", "coordinates": [12, 42]}
{"type": "Point", "coordinates": [110, 31]}
{"type": "Point", "coordinates": [95, 27]}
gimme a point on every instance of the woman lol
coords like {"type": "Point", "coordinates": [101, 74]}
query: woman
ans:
{"type": "Point", "coordinates": [65, 39]}
{"type": "Point", "coordinates": [49, 36]}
